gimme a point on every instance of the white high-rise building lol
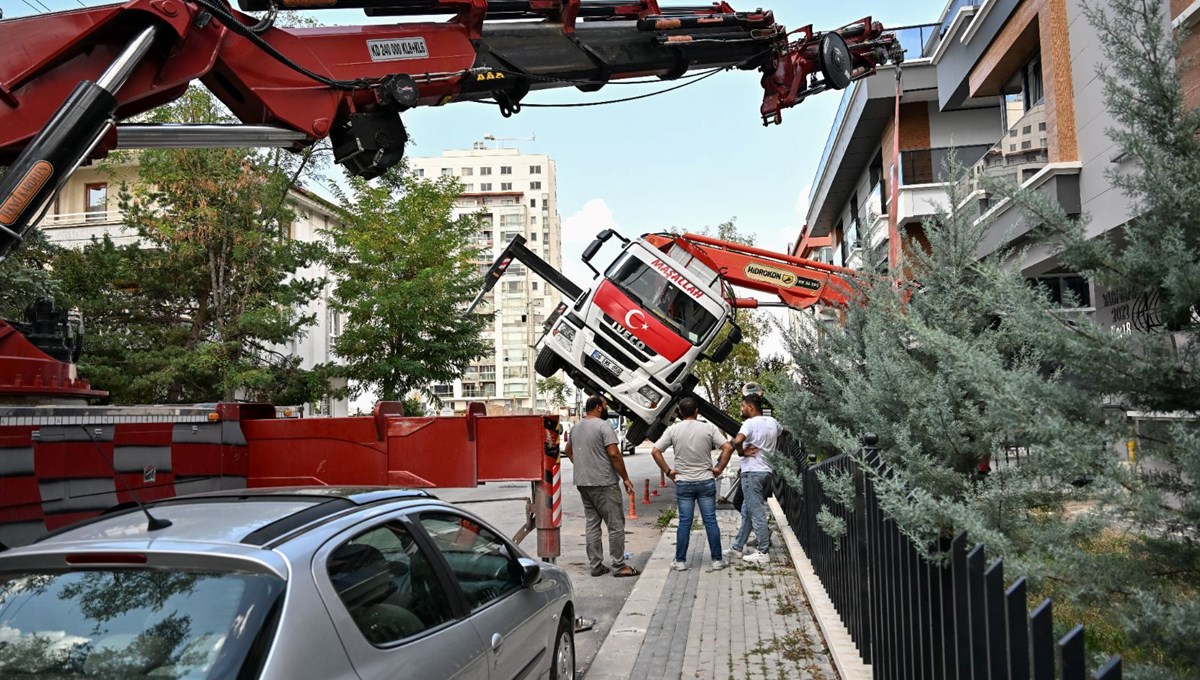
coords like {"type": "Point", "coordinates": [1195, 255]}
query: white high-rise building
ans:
{"type": "Point", "coordinates": [517, 194]}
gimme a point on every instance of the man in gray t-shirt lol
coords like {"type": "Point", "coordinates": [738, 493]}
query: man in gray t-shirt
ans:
{"type": "Point", "coordinates": [695, 477]}
{"type": "Point", "coordinates": [597, 465]}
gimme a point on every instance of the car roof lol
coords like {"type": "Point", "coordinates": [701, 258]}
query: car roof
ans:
{"type": "Point", "coordinates": [249, 516]}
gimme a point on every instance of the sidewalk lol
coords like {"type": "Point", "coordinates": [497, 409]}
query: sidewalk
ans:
{"type": "Point", "coordinates": [746, 622]}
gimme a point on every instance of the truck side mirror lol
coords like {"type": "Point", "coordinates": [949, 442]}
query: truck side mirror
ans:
{"type": "Point", "coordinates": [591, 250]}
{"type": "Point", "coordinates": [723, 350]}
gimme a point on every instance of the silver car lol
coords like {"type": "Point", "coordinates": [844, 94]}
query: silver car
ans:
{"type": "Point", "coordinates": [284, 583]}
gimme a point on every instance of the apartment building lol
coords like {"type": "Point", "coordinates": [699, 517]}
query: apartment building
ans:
{"type": "Point", "coordinates": [516, 194]}
{"type": "Point", "coordinates": [87, 208]}
{"type": "Point", "coordinates": [1009, 87]}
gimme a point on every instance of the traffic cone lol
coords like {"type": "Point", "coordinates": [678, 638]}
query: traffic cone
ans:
{"type": "Point", "coordinates": [632, 507]}
{"type": "Point", "coordinates": [646, 497]}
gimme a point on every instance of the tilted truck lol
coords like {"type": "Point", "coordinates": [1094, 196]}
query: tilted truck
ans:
{"type": "Point", "coordinates": [664, 304]}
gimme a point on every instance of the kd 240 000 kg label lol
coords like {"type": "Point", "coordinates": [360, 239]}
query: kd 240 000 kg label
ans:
{"type": "Point", "coordinates": [397, 48]}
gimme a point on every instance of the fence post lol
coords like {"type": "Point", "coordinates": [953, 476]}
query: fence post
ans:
{"type": "Point", "coordinates": [975, 596]}
{"type": "Point", "coordinates": [870, 453]}
{"type": "Point", "coordinates": [1042, 637]}
{"type": "Point", "coordinates": [1071, 646]}
{"type": "Point", "coordinates": [997, 632]}
{"type": "Point", "coordinates": [961, 606]}
{"type": "Point", "coordinates": [1018, 631]}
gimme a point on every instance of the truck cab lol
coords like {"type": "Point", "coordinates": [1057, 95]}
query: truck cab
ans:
{"type": "Point", "coordinates": [638, 331]}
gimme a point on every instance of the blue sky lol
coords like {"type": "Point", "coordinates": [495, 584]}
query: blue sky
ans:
{"type": "Point", "coordinates": [689, 159]}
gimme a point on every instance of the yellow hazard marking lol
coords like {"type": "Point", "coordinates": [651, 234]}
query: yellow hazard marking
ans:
{"type": "Point", "coordinates": [490, 75]}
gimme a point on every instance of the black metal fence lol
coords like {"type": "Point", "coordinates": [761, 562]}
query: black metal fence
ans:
{"type": "Point", "coordinates": [912, 618]}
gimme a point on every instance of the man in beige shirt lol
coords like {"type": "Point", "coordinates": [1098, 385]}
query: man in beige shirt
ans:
{"type": "Point", "coordinates": [695, 477]}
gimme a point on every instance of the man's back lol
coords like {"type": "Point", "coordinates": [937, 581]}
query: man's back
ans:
{"type": "Point", "coordinates": [589, 442]}
{"type": "Point", "coordinates": [693, 443]}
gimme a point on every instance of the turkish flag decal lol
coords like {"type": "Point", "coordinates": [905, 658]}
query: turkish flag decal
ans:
{"type": "Point", "coordinates": [643, 325]}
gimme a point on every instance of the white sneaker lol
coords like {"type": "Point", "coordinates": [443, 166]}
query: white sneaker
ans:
{"type": "Point", "coordinates": [757, 558]}
{"type": "Point", "coordinates": [679, 566]}
{"type": "Point", "coordinates": [731, 553]}
{"type": "Point", "coordinates": [718, 565]}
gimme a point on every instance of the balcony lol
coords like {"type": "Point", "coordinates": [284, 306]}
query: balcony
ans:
{"type": "Point", "coordinates": [1021, 156]}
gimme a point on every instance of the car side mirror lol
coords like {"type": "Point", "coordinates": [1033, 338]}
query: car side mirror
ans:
{"type": "Point", "coordinates": [531, 571]}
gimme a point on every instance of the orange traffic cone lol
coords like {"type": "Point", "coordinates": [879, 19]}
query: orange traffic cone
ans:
{"type": "Point", "coordinates": [646, 496]}
{"type": "Point", "coordinates": [662, 480]}
{"type": "Point", "coordinates": [632, 507]}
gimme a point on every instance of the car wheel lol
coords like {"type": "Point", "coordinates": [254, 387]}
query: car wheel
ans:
{"type": "Point", "coordinates": [563, 662]}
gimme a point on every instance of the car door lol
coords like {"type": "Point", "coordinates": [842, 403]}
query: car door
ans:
{"type": "Point", "coordinates": [394, 609]}
{"type": "Point", "coordinates": [512, 620]}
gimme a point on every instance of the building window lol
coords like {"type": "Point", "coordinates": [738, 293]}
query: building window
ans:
{"type": "Point", "coordinates": [535, 186]}
{"type": "Point", "coordinates": [419, 172]}
{"type": "Point", "coordinates": [1060, 290]}
{"type": "Point", "coordinates": [506, 186]}
{"type": "Point", "coordinates": [533, 237]}
{"type": "Point", "coordinates": [447, 172]}
{"type": "Point", "coordinates": [485, 171]}
{"type": "Point", "coordinates": [505, 169]}
{"type": "Point", "coordinates": [468, 188]}
{"type": "Point", "coordinates": [535, 169]}
{"type": "Point", "coordinates": [533, 203]}
{"type": "Point", "coordinates": [533, 220]}
{"type": "Point", "coordinates": [1042, 126]}
{"type": "Point", "coordinates": [467, 172]}
{"type": "Point", "coordinates": [486, 186]}
{"type": "Point", "coordinates": [534, 284]}
{"type": "Point", "coordinates": [97, 201]}
{"type": "Point", "coordinates": [512, 286]}
{"type": "Point", "coordinates": [443, 390]}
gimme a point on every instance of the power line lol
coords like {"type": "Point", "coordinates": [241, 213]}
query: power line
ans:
{"type": "Point", "coordinates": [32, 6]}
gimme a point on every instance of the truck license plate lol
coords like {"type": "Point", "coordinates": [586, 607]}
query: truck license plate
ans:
{"type": "Point", "coordinates": [606, 362]}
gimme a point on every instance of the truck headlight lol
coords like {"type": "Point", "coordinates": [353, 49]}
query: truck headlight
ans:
{"type": "Point", "coordinates": [564, 330]}
{"type": "Point", "coordinates": [647, 397]}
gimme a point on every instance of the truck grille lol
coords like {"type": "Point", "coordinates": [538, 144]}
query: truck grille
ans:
{"type": "Point", "coordinates": [616, 353]}
{"type": "Point", "coordinates": [600, 371]}
{"type": "Point", "coordinates": [635, 351]}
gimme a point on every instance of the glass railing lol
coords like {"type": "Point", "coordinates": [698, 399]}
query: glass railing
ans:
{"type": "Point", "coordinates": [952, 12]}
{"type": "Point", "coordinates": [914, 38]}
{"type": "Point", "coordinates": [933, 166]}
{"type": "Point", "coordinates": [838, 117]}
{"type": "Point", "coordinates": [1020, 153]}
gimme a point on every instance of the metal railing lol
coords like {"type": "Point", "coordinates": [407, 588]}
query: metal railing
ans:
{"type": "Point", "coordinates": [931, 166]}
{"type": "Point", "coordinates": [911, 617]}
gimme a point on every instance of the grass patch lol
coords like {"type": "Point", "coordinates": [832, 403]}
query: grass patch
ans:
{"type": "Point", "coordinates": [665, 517]}
{"type": "Point", "coordinates": [786, 607]}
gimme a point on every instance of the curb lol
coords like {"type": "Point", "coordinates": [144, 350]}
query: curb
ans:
{"type": "Point", "coordinates": [842, 650]}
{"type": "Point", "coordinates": [619, 652]}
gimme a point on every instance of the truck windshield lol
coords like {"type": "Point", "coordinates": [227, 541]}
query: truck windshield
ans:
{"type": "Point", "coordinates": [669, 303]}
{"type": "Point", "coordinates": [122, 623]}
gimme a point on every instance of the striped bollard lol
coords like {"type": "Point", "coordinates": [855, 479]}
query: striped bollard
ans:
{"type": "Point", "coordinates": [548, 497]}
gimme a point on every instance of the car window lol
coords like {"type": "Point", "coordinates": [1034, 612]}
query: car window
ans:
{"type": "Point", "coordinates": [388, 584]}
{"type": "Point", "coordinates": [479, 559]}
{"type": "Point", "coordinates": [118, 623]}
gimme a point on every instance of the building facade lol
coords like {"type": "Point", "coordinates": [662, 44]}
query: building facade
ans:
{"type": "Point", "coordinates": [87, 208]}
{"type": "Point", "coordinates": [516, 195]}
{"type": "Point", "coordinates": [1010, 89]}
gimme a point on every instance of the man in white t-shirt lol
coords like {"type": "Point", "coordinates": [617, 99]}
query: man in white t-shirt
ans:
{"type": "Point", "coordinates": [694, 474]}
{"type": "Point", "coordinates": [755, 442]}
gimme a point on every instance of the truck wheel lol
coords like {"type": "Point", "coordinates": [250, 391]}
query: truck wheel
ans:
{"type": "Point", "coordinates": [656, 431]}
{"type": "Point", "coordinates": [636, 433]}
{"type": "Point", "coordinates": [546, 363]}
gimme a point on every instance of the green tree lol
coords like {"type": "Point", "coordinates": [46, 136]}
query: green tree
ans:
{"type": "Point", "coordinates": [404, 270]}
{"type": "Point", "coordinates": [555, 390]}
{"type": "Point", "coordinates": [199, 309]}
{"type": "Point", "coordinates": [25, 275]}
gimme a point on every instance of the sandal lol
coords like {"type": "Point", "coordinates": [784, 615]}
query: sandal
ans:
{"type": "Point", "coordinates": [600, 570]}
{"type": "Point", "coordinates": [626, 571]}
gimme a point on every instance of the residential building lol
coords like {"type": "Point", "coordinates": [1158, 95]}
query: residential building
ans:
{"type": "Point", "coordinates": [87, 208]}
{"type": "Point", "coordinates": [516, 195]}
{"type": "Point", "coordinates": [1011, 86]}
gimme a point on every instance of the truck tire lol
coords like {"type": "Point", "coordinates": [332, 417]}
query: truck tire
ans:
{"type": "Point", "coordinates": [656, 431]}
{"type": "Point", "coordinates": [636, 433]}
{"type": "Point", "coordinates": [546, 363]}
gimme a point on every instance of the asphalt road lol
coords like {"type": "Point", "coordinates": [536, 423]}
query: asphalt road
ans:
{"type": "Point", "coordinates": [599, 598]}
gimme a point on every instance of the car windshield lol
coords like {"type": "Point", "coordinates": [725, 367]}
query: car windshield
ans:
{"type": "Point", "coordinates": [666, 301]}
{"type": "Point", "coordinates": [131, 623]}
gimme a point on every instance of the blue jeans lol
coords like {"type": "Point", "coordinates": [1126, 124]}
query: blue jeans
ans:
{"type": "Point", "coordinates": [754, 511]}
{"type": "Point", "coordinates": [687, 494]}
